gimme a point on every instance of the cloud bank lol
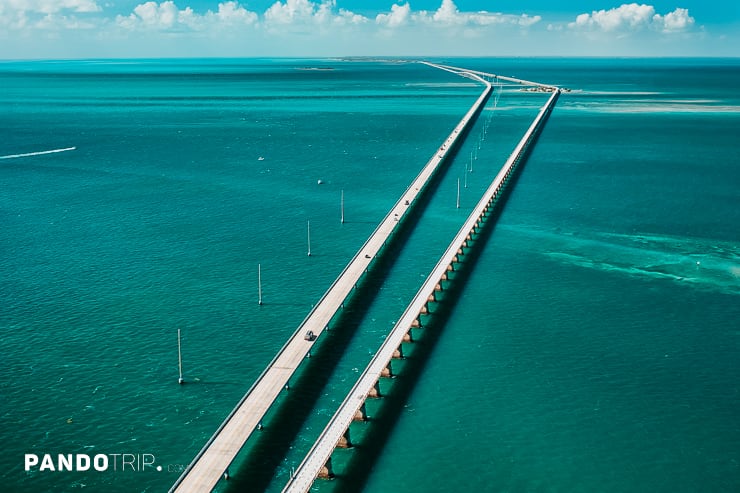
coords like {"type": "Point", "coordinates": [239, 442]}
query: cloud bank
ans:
{"type": "Point", "coordinates": [634, 17]}
{"type": "Point", "coordinates": [285, 15]}
{"type": "Point", "coordinates": [319, 28]}
{"type": "Point", "coordinates": [166, 16]}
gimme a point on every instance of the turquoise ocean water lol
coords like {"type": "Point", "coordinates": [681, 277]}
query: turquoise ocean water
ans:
{"type": "Point", "coordinates": [593, 346]}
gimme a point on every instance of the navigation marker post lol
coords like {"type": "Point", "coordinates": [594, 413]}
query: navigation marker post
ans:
{"type": "Point", "coordinates": [259, 284]}
{"type": "Point", "coordinates": [458, 193]}
{"type": "Point", "coordinates": [308, 236]}
{"type": "Point", "coordinates": [179, 358]}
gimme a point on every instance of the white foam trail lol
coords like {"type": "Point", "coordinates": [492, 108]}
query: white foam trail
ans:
{"type": "Point", "coordinates": [39, 153]}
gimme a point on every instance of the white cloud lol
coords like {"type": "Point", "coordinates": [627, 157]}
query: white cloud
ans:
{"type": "Point", "coordinates": [676, 21]}
{"type": "Point", "coordinates": [152, 15]}
{"type": "Point", "coordinates": [307, 13]}
{"type": "Point", "coordinates": [55, 22]}
{"type": "Point", "coordinates": [46, 14]}
{"type": "Point", "coordinates": [633, 17]}
{"type": "Point", "coordinates": [231, 14]}
{"type": "Point", "coordinates": [448, 15]}
{"type": "Point", "coordinates": [48, 6]}
{"type": "Point", "coordinates": [398, 16]}
{"type": "Point", "coordinates": [167, 16]}
{"type": "Point", "coordinates": [351, 17]}
{"type": "Point", "coordinates": [486, 18]}
{"type": "Point", "coordinates": [627, 16]}
{"type": "Point", "coordinates": [163, 15]}
{"type": "Point", "coordinates": [290, 11]}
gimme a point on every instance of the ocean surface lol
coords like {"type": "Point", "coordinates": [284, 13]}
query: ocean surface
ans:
{"type": "Point", "coordinates": [592, 343]}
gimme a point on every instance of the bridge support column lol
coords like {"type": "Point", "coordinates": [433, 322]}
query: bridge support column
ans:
{"type": "Point", "coordinates": [326, 472]}
{"type": "Point", "coordinates": [398, 353]}
{"type": "Point", "coordinates": [408, 337]}
{"type": "Point", "coordinates": [416, 323]}
{"type": "Point", "coordinates": [375, 391]}
{"type": "Point", "coordinates": [387, 372]}
{"type": "Point", "coordinates": [345, 441]}
{"type": "Point", "coordinates": [361, 414]}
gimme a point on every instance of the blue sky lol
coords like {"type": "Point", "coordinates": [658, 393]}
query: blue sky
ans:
{"type": "Point", "coordinates": [224, 28]}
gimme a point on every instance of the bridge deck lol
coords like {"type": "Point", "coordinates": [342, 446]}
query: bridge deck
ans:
{"type": "Point", "coordinates": [523, 82]}
{"type": "Point", "coordinates": [212, 461]}
{"type": "Point", "coordinates": [326, 443]}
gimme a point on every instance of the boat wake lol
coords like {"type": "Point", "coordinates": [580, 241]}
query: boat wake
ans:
{"type": "Point", "coordinates": [38, 153]}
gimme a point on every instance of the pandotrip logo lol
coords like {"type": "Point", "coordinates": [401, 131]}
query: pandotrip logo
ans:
{"type": "Point", "coordinates": [85, 462]}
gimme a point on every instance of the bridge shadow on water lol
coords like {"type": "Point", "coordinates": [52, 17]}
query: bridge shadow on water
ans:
{"type": "Point", "coordinates": [352, 475]}
{"type": "Point", "coordinates": [265, 451]}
